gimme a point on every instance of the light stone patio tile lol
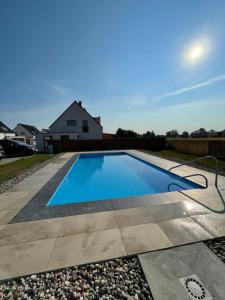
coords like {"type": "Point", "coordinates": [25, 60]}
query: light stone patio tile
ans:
{"type": "Point", "coordinates": [133, 216]}
{"type": "Point", "coordinates": [13, 200]}
{"type": "Point", "coordinates": [169, 197]}
{"type": "Point", "coordinates": [213, 202]}
{"type": "Point", "coordinates": [183, 231]}
{"type": "Point", "coordinates": [213, 223]}
{"type": "Point", "coordinates": [26, 186]}
{"type": "Point", "coordinates": [86, 248]}
{"type": "Point", "coordinates": [167, 211]}
{"type": "Point", "coordinates": [145, 237]}
{"type": "Point", "coordinates": [25, 258]}
{"type": "Point", "coordinates": [202, 193]}
{"type": "Point", "coordinates": [1, 227]}
{"type": "Point", "coordinates": [7, 215]}
{"type": "Point", "coordinates": [163, 212]}
{"type": "Point", "coordinates": [87, 223]}
{"type": "Point", "coordinates": [29, 231]}
{"type": "Point", "coordinates": [173, 197]}
{"type": "Point", "coordinates": [67, 155]}
{"type": "Point", "coordinates": [50, 170]}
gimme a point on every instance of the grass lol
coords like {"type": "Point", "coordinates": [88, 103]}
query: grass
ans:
{"type": "Point", "coordinates": [170, 154]}
{"type": "Point", "coordinates": [10, 170]}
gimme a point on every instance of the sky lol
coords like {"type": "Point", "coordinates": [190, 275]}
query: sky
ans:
{"type": "Point", "coordinates": [128, 61]}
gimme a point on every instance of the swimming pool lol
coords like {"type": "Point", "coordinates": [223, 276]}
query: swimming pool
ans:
{"type": "Point", "coordinates": [105, 176]}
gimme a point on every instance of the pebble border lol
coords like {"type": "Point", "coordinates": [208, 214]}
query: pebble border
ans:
{"type": "Point", "coordinates": [120, 278]}
{"type": "Point", "coordinates": [217, 246]}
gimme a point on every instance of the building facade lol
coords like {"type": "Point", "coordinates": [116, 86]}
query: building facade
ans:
{"type": "Point", "coordinates": [74, 123]}
{"type": "Point", "coordinates": [26, 133]}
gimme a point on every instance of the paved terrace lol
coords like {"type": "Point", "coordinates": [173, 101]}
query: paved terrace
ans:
{"type": "Point", "coordinates": [129, 226]}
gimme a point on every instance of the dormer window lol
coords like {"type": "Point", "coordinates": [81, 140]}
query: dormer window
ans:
{"type": "Point", "coordinates": [71, 123]}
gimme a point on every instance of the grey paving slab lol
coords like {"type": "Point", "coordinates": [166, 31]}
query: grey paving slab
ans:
{"type": "Point", "coordinates": [184, 231]}
{"type": "Point", "coordinates": [145, 237]}
{"type": "Point", "coordinates": [29, 231]}
{"type": "Point", "coordinates": [133, 216]}
{"type": "Point", "coordinates": [86, 247]}
{"type": "Point", "coordinates": [164, 269]}
{"type": "Point", "coordinates": [87, 223]}
{"type": "Point", "coordinates": [25, 258]}
{"type": "Point", "coordinates": [213, 223]}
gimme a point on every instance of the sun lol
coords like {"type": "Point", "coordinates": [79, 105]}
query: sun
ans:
{"type": "Point", "coordinates": [196, 52]}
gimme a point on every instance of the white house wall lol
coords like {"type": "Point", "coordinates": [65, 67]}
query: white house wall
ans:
{"type": "Point", "coordinates": [20, 130]}
{"type": "Point", "coordinates": [6, 135]}
{"type": "Point", "coordinates": [75, 112]}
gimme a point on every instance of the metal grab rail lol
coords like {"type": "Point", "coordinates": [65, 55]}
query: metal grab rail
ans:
{"type": "Point", "coordinates": [206, 180]}
{"type": "Point", "coordinates": [199, 159]}
{"type": "Point", "coordinates": [187, 176]}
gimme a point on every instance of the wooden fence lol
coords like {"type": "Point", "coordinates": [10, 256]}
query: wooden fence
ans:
{"type": "Point", "coordinates": [156, 143]}
{"type": "Point", "coordinates": [199, 146]}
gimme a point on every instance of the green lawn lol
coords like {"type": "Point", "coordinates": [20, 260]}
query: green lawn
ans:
{"type": "Point", "coordinates": [10, 170]}
{"type": "Point", "coordinates": [170, 154]}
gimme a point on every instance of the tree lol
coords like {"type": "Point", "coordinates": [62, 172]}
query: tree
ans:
{"type": "Point", "coordinates": [201, 133]}
{"type": "Point", "coordinates": [172, 133]}
{"type": "Point", "coordinates": [223, 133]}
{"type": "Point", "coordinates": [149, 134]}
{"type": "Point", "coordinates": [131, 133]}
{"type": "Point", "coordinates": [212, 133]}
{"type": "Point", "coordinates": [125, 133]}
{"type": "Point", "coordinates": [185, 134]}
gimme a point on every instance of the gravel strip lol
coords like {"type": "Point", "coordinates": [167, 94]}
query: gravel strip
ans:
{"type": "Point", "coordinates": [218, 247]}
{"type": "Point", "coordinates": [120, 278]}
{"type": "Point", "coordinates": [15, 180]}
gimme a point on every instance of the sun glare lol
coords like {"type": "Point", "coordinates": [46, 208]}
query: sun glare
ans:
{"type": "Point", "coordinates": [196, 52]}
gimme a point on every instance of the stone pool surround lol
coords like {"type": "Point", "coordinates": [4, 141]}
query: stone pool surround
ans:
{"type": "Point", "coordinates": [147, 223]}
{"type": "Point", "coordinates": [37, 209]}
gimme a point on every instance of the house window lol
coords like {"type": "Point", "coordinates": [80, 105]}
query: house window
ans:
{"type": "Point", "coordinates": [85, 127]}
{"type": "Point", "coordinates": [71, 122]}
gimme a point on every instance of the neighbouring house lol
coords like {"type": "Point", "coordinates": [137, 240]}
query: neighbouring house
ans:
{"type": "Point", "coordinates": [26, 133]}
{"type": "Point", "coordinates": [75, 123]}
{"type": "Point", "coordinates": [5, 132]}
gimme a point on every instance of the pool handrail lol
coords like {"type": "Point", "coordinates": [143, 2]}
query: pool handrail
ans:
{"type": "Point", "coordinates": [199, 159]}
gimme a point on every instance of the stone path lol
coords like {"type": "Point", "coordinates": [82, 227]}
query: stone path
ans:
{"type": "Point", "coordinates": [8, 160]}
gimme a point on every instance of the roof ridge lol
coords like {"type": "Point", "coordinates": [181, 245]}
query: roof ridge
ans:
{"type": "Point", "coordinates": [75, 101]}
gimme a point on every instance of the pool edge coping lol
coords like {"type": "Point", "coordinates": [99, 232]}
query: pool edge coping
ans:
{"type": "Point", "coordinates": [37, 209]}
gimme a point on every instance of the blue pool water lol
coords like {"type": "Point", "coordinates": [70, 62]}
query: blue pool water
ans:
{"type": "Point", "coordinates": [108, 176]}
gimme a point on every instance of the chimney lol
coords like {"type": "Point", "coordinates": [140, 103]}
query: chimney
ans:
{"type": "Point", "coordinates": [80, 103]}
